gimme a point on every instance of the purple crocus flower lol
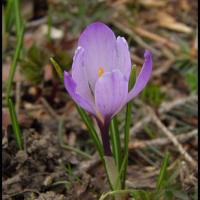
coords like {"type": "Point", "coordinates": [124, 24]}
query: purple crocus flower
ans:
{"type": "Point", "coordinates": [100, 73]}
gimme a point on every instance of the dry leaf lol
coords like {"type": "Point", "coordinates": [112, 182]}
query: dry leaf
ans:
{"type": "Point", "coordinates": [167, 21]}
{"type": "Point", "coordinates": [184, 4]}
{"type": "Point", "coordinates": [153, 3]}
{"type": "Point", "coordinates": [118, 3]}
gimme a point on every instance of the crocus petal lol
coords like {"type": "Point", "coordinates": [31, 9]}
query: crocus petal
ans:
{"type": "Point", "coordinates": [70, 86]}
{"type": "Point", "coordinates": [99, 43]}
{"type": "Point", "coordinates": [111, 91]}
{"type": "Point", "coordinates": [123, 56]}
{"type": "Point", "coordinates": [143, 77]}
{"type": "Point", "coordinates": [79, 75]}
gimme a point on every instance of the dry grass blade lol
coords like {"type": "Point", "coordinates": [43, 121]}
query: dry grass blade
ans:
{"type": "Point", "coordinates": [153, 3]}
{"type": "Point", "coordinates": [157, 38]}
{"type": "Point", "coordinates": [164, 108]}
{"type": "Point", "coordinates": [139, 40]}
{"type": "Point", "coordinates": [166, 66]}
{"type": "Point", "coordinates": [162, 141]}
{"type": "Point", "coordinates": [167, 21]}
{"type": "Point", "coordinates": [86, 166]}
{"type": "Point", "coordinates": [50, 109]}
{"type": "Point", "coordinates": [171, 137]}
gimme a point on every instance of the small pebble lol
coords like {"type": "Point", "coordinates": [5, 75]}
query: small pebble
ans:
{"type": "Point", "coordinates": [21, 156]}
{"type": "Point", "coordinates": [48, 181]}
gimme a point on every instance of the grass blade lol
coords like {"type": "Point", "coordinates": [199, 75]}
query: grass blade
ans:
{"type": "Point", "coordinates": [57, 68]}
{"type": "Point", "coordinates": [141, 195]}
{"type": "Point", "coordinates": [9, 15]}
{"type": "Point", "coordinates": [121, 171]}
{"type": "Point", "coordinates": [127, 124]}
{"type": "Point", "coordinates": [15, 124]}
{"type": "Point", "coordinates": [91, 130]}
{"type": "Point", "coordinates": [116, 145]}
{"type": "Point", "coordinates": [163, 170]}
{"type": "Point", "coordinates": [18, 23]}
{"type": "Point", "coordinates": [14, 62]}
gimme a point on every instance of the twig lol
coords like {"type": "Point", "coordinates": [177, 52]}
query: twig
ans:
{"type": "Point", "coordinates": [8, 196]}
{"type": "Point", "coordinates": [168, 106]}
{"type": "Point", "coordinates": [86, 166]}
{"type": "Point", "coordinates": [12, 180]}
{"type": "Point", "coordinates": [138, 39]}
{"type": "Point", "coordinates": [147, 34]}
{"type": "Point", "coordinates": [157, 72]}
{"type": "Point", "coordinates": [156, 38]}
{"type": "Point", "coordinates": [68, 147]}
{"type": "Point", "coordinates": [171, 137]}
{"type": "Point", "coordinates": [155, 173]}
{"type": "Point", "coordinates": [35, 23]}
{"type": "Point", "coordinates": [146, 158]}
{"type": "Point", "coordinates": [136, 59]}
{"type": "Point", "coordinates": [164, 108]}
{"type": "Point", "coordinates": [163, 69]}
{"type": "Point", "coordinates": [162, 141]}
{"type": "Point", "coordinates": [145, 186]}
{"type": "Point", "coordinates": [49, 108]}
{"type": "Point", "coordinates": [76, 150]}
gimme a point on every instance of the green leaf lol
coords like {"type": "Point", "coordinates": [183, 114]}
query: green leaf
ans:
{"type": "Point", "coordinates": [192, 81]}
{"type": "Point", "coordinates": [15, 124]}
{"type": "Point", "coordinates": [124, 162]}
{"type": "Point", "coordinates": [18, 21]}
{"type": "Point", "coordinates": [196, 192]}
{"type": "Point", "coordinates": [63, 59]}
{"type": "Point", "coordinates": [9, 15]}
{"type": "Point", "coordinates": [180, 195]}
{"type": "Point", "coordinates": [163, 173]}
{"type": "Point", "coordinates": [31, 72]}
{"type": "Point", "coordinates": [141, 195]}
{"type": "Point", "coordinates": [91, 130]}
{"type": "Point", "coordinates": [32, 65]}
{"type": "Point", "coordinates": [57, 68]}
{"type": "Point", "coordinates": [152, 95]}
{"type": "Point", "coordinates": [115, 140]}
{"type": "Point", "coordinates": [37, 55]}
{"type": "Point", "coordinates": [127, 123]}
{"type": "Point", "coordinates": [14, 62]}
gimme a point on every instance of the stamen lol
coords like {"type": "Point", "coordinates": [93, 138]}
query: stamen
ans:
{"type": "Point", "coordinates": [100, 72]}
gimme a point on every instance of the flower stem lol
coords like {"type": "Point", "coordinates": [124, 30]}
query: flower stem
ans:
{"type": "Point", "coordinates": [104, 128]}
{"type": "Point", "coordinates": [109, 162]}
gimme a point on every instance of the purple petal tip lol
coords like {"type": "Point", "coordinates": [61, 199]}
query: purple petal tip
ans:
{"type": "Point", "coordinates": [147, 54]}
{"type": "Point", "coordinates": [66, 73]}
{"type": "Point", "coordinates": [97, 23]}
